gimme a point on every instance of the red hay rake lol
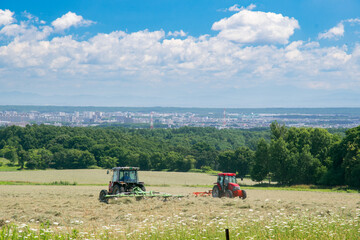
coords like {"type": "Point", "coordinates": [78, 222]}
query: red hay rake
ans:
{"type": "Point", "coordinates": [203, 194]}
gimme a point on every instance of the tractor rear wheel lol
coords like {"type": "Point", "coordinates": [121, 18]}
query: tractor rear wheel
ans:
{"type": "Point", "coordinates": [215, 191]}
{"type": "Point", "coordinates": [229, 194]}
{"type": "Point", "coordinates": [102, 195]}
{"type": "Point", "coordinates": [118, 189]}
{"type": "Point", "coordinates": [243, 194]}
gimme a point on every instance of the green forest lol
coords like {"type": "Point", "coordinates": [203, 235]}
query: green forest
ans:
{"type": "Point", "coordinates": [285, 155]}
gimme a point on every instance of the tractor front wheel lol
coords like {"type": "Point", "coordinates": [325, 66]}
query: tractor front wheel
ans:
{"type": "Point", "coordinates": [216, 191]}
{"type": "Point", "coordinates": [142, 187]}
{"type": "Point", "coordinates": [229, 194]}
{"type": "Point", "coordinates": [243, 194]}
{"type": "Point", "coordinates": [102, 195]}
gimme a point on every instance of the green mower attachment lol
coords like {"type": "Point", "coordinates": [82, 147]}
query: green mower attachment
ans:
{"type": "Point", "coordinates": [137, 193]}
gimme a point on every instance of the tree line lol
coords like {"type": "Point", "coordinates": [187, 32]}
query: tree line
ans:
{"type": "Point", "coordinates": [285, 155]}
{"type": "Point", "coordinates": [182, 149]}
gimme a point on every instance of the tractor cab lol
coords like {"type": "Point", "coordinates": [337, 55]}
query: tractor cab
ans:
{"type": "Point", "coordinates": [124, 179]}
{"type": "Point", "coordinates": [226, 180]}
{"type": "Point", "coordinates": [226, 185]}
{"type": "Point", "coordinates": [124, 175]}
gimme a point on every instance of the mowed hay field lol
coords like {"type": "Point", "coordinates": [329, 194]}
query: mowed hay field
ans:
{"type": "Point", "coordinates": [64, 212]}
{"type": "Point", "coordinates": [99, 176]}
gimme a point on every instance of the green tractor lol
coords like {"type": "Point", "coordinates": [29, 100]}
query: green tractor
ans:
{"type": "Point", "coordinates": [124, 180]}
{"type": "Point", "coordinates": [125, 183]}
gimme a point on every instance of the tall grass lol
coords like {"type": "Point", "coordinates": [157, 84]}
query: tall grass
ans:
{"type": "Point", "coordinates": [280, 226]}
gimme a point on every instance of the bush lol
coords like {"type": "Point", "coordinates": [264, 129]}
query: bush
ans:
{"type": "Point", "coordinates": [206, 169]}
{"type": "Point", "coordinates": [10, 164]}
{"type": "Point", "coordinates": [94, 167]}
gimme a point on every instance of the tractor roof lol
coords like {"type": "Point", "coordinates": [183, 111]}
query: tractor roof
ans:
{"type": "Point", "coordinates": [226, 174]}
{"type": "Point", "coordinates": [126, 168]}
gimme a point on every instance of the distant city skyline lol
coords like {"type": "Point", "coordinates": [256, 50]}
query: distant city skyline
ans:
{"type": "Point", "coordinates": [159, 117]}
{"type": "Point", "coordinates": [205, 53]}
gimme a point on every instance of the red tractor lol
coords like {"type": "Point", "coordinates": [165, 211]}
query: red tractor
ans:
{"type": "Point", "coordinates": [226, 186]}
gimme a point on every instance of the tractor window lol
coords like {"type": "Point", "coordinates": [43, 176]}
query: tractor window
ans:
{"type": "Point", "coordinates": [232, 179]}
{"type": "Point", "coordinates": [115, 176]}
{"type": "Point", "coordinates": [133, 176]}
{"type": "Point", "coordinates": [226, 180]}
{"type": "Point", "coordinates": [121, 176]}
{"type": "Point", "coordinates": [130, 176]}
{"type": "Point", "coordinates": [221, 180]}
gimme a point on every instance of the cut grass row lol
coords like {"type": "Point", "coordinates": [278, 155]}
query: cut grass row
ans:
{"type": "Point", "coordinates": [63, 183]}
{"type": "Point", "coordinates": [280, 188]}
{"type": "Point", "coordinates": [307, 188]}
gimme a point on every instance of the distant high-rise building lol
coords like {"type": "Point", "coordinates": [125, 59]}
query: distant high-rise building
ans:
{"type": "Point", "coordinates": [224, 122]}
{"type": "Point", "coordinates": [151, 121]}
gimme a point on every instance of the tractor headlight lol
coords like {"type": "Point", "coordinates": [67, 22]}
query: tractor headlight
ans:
{"type": "Point", "coordinates": [236, 188]}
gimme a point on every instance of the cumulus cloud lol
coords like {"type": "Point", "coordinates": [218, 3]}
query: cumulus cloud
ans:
{"type": "Point", "coordinates": [256, 27]}
{"type": "Point", "coordinates": [150, 57]}
{"type": "Point", "coordinates": [339, 30]}
{"type": "Point", "coordinates": [34, 29]}
{"type": "Point", "coordinates": [147, 55]}
{"type": "Point", "coordinates": [68, 20]}
{"type": "Point", "coordinates": [6, 17]}
{"type": "Point", "coordinates": [26, 32]}
{"type": "Point", "coordinates": [335, 32]}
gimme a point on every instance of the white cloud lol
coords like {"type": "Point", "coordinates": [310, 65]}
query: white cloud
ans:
{"type": "Point", "coordinates": [148, 57]}
{"type": "Point", "coordinates": [339, 30]}
{"type": "Point", "coordinates": [68, 20]}
{"type": "Point", "coordinates": [25, 32]}
{"type": "Point", "coordinates": [256, 27]}
{"type": "Point", "coordinates": [30, 17]}
{"type": "Point", "coordinates": [335, 32]}
{"type": "Point", "coordinates": [6, 17]}
{"type": "Point", "coordinates": [353, 20]}
{"type": "Point", "coordinates": [180, 33]}
{"type": "Point", "coordinates": [251, 7]}
{"type": "Point", "coordinates": [237, 8]}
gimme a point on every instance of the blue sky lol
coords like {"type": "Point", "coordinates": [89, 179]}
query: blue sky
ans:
{"type": "Point", "coordinates": [204, 53]}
